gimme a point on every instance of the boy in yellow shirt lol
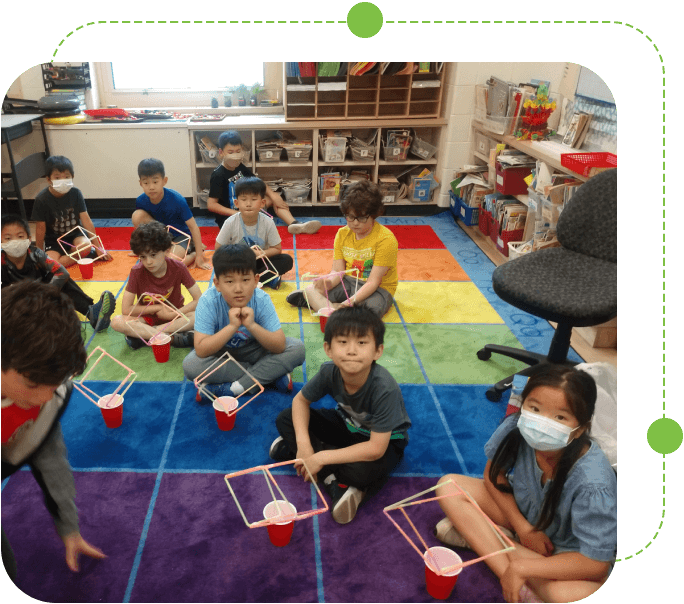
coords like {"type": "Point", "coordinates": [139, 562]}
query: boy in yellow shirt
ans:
{"type": "Point", "coordinates": [364, 244]}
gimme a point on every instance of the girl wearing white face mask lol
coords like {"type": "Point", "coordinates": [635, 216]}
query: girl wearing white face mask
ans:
{"type": "Point", "coordinates": [550, 487]}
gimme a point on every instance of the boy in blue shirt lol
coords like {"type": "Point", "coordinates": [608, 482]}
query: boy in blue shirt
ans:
{"type": "Point", "coordinates": [235, 316]}
{"type": "Point", "coordinates": [355, 446]}
{"type": "Point", "coordinates": [170, 208]}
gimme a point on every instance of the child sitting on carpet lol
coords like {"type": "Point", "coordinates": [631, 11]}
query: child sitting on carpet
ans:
{"type": "Point", "coordinates": [21, 260]}
{"type": "Point", "coordinates": [156, 273]}
{"type": "Point", "coordinates": [250, 226]}
{"type": "Point", "coordinates": [364, 244]}
{"type": "Point", "coordinates": [170, 208]}
{"type": "Point", "coordinates": [57, 210]}
{"type": "Point", "coordinates": [547, 481]}
{"type": "Point", "coordinates": [354, 447]}
{"type": "Point", "coordinates": [221, 201]}
{"type": "Point", "coordinates": [235, 316]}
{"type": "Point", "coordinates": [39, 359]}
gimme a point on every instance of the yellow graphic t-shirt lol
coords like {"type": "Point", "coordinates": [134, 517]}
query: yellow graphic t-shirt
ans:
{"type": "Point", "coordinates": [378, 248]}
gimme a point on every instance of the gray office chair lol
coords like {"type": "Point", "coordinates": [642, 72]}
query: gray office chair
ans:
{"type": "Point", "coordinates": [574, 285]}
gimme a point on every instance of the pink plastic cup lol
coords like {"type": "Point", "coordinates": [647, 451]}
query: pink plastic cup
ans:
{"type": "Point", "coordinates": [323, 314]}
{"type": "Point", "coordinates": [85, 265]}
{"type": "Point", "coordinates": [161, 347]}
{"type": "Point", "coordinates": [441, 586]}
{"type": "Point", "coordinates": [281, 532]}
{"type": "Point", "coordinates": [224, 409]}
{"type": "Point", "coordinates": [111, 407]}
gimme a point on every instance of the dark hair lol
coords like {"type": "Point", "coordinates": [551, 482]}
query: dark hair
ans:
{"type": "Point", "coordinates": [59, 163]}
{"type": "Point", "coordinates": [250, 184]}
{"type": "Point", "coordinates": [151, 167]}
{"type": "Point", "coordinates": [579, 389]}
{"type": "Point", "coordinates": [150, 237]}
{"type": "Point", "coordinates": [364, 198]}
{"type": "Point", "coordinates": [41, 334]}
{"type": "Point", "coordinates": [354, 321]}
{"type": "Point", "coordinates": [232, 137]}
{"type": "Point", "coordinates": [234, 258]}
{"type": "Point", "coordinates": [8, 219]}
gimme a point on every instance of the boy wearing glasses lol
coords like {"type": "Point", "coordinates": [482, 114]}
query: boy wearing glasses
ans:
{"type": "Point", "coordinates": [364, 244]}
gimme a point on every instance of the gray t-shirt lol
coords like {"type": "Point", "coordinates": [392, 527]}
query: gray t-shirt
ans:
{"type": "Point", "coordinates": [378, 405]}
{"type": "Point", "coordinates": [234, 230]}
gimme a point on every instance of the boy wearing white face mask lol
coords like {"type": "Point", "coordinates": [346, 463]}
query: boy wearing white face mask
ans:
{"type": "Point", "coordinates": [551, 485]}
{"type": "Point", "coordinates": [221, 201]}
{"type": "Point", "coordinates": [22, 261]}
{"type": "Point", "coordinates": [58, 209]}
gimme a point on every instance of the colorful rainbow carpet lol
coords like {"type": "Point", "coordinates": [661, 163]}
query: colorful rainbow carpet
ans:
{"type": "Point", "coordinates": [151, 493]}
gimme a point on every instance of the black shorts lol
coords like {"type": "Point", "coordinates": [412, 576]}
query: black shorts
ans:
{"type": "Point", "coordinates": [51, 244]}
{"type": "Point", "coordinates": [185, 243]}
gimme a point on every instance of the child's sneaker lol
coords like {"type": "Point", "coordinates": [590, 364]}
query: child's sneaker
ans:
{"type": "Point", "coordinates": [297, 299]}
{"type": "Point", "coordinates": [274, 283]}
{"type": "Point", "coordinates": [219, 390]}
{"type": "Point", "coordinates": [447, 534]}
{"type": "Point", "coordinates": [93, 253]}
{"type": "Point", "coordinates": [100, 313]}
{"type": "Point", "coordinates": [282, 384]}
{"type": "Point", "coordinates": [280, 450]}
{"type": "Point", "coordinates": [345, 500]}
{"type": "Point", "coordinates": [310, 227]}
{"type": "Point", "coordinates": [183, 339]}
{"type": "Point", "coordinates": [134, 343]}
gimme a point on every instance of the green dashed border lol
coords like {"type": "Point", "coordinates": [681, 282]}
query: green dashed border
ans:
{"type": "Point", "coordinates": [660, 57]}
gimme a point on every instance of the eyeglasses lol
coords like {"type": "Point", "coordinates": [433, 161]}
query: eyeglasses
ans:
{"type": "Point", "coordinates": [359, 219]}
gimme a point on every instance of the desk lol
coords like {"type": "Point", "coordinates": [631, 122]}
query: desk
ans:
{"type": "Point", "coordinates": [30, 168]}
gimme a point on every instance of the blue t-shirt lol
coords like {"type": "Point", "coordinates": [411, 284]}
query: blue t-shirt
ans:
{"type": "Point", "coordinates": [586, 516]}
{"type": "Point", "coordinates": [171, 210]}
{"type": "Point", "coordinates": [211, 315]}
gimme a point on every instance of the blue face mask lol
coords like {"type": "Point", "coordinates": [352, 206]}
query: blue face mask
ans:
{"type": "Point", "coordinates": [542, 433]}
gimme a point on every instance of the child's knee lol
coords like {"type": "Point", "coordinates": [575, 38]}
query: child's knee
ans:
{"type": "Point", "coordinates": [139, 217]}
{"type": "Point", "coordinates": [118, 323]}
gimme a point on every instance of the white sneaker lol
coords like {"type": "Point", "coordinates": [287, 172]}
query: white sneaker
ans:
{"type": "Point", "coordinates": [298, 228]}
{"type": "Point", "coordinates": [447, 534]}
{"type": "Point", "coordinates": [345, 502]}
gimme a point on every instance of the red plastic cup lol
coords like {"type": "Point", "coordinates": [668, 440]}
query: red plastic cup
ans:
{"type": "Point", "coordinates": [224, 410]}
{"type": "Point", "coordinates": [281, 532]}
{"type": "Point", "coordinates": [441, 586]}
{"type": "Point", "coordinates": [161, 347]}
{"type": "Point", "coordinates": [111, 407]}
{"type": "Point", "coordinates": [323, 314]}
{"type": "Point", "coordinates": [85, 265]}
{"type": "Point", "coordinates": [149, 319]}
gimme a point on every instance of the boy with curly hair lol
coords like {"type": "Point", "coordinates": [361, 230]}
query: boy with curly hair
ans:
{"type": "Point", "coordinates": [156, 273]}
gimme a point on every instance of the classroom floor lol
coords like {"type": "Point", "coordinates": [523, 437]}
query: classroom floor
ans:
{"type": "Point", "coordinates": [151, 493]}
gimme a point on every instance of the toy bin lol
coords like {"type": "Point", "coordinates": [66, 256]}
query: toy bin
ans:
{"type": "Point", "coordinates": [506, 236]}
{"type": "Point", "coordinates": [296, 153]}
{"type": "Point", "coordinates": [267, 155]}
{"type": "Point", "coordinates": [512, 180]}
{"type": "Point", "coordinates": [588, 164]}
{"type": "Point", "coordinates": [333, 148]}
{"type": "Point", "coordinates": [395, 153]}
{"type": "Point", "coordinates": [422, 148]}
{"type": "Point", "coordinates": [296, 194]}
{"type": "Point", "coordinates": [483, 221]}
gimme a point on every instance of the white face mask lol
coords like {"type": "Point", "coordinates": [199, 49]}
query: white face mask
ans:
{"type": "Point", "coordinates": [542, 433]}
{"type": "Point", "coordinates": [62, 186]}
{"type": "Point", "coordinates": [16, 248]}
{"type": "Point", "coordinates": [233, 157]}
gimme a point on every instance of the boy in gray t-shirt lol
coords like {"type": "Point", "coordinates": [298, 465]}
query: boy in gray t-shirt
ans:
{"type": "Point", "coordinates": [355, 446]}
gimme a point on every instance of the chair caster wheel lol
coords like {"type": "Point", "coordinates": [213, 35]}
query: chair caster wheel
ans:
{"type": "Point", "coordinates": [493, 395]}
{"type": "Point", "coordinates": [484, 355]}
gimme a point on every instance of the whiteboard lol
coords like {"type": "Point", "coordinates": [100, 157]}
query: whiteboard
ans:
{"type": "Point", "coordinates": [592, 86]}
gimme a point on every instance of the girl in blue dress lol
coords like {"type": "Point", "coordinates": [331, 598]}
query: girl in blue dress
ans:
{"type": "Point", "coordinates": [550, 486]}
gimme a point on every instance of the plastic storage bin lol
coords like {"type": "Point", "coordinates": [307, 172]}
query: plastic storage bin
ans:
{"type": "Point", "coordinates": [584, 163]}
{"type": "Point", "coordinates": [512, 180]}
{"type": "Point", "coordinates": [333, 148]}
{"type": "Point", "coordinates": [267, 155]}
{"type": "Point", "coordinates": [469, 215]}
{"type": "Point", "coordinates": [296, 195]}
{"type": "Point", "coordinates": [484, 220]}
{"type": "Point", "coordinates": [506, 236]}
{"type": "Point", "coordinates": [392, 153]}
{"type": "Point", "coordinates": [296, 153]}
{"type": "Point", "coordinates": [423, 149]}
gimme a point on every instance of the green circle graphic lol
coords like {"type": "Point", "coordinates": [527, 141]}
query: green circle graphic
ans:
{"type": "Point", "coordinates": [664, 435]}
{"type": "Point", "coordinates": [364, 20]}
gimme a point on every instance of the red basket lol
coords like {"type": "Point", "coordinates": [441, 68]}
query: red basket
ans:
{"type": "Point", "coordinates": [108, 112]}
{"type": "Point", "coordinates": [583, 163]}
{"type": "Point", "coordinates": [505, 237]}
{"type": "Point", "coordinates": [493, 229]}
{"type": "Point", "coordinates": [483, 221]}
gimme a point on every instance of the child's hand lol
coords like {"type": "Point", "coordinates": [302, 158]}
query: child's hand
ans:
{"type": "Point", "coordinates": [235, 317]}
{"type": "Point", "coordinates": [247, 316]}
{"type": "Point", "coordinates": [200, 262]}
{"type": "Point", "coordinates": [76, 545]}
{"type": "Point", "coordinates": [537, 541]}
{"type": "Point", "coordinates": [511, 582]}
{"type": "Point", "coordinates": [312, 464]}
{"type": "Point", "coordinates": [165, 314]}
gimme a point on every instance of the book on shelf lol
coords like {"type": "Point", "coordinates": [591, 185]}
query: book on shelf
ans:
{"type": "Point", "coordinates": [577, 130]}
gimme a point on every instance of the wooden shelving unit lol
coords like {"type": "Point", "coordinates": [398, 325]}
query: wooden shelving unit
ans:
{"type": "Point", "coordinates": [364, 97]}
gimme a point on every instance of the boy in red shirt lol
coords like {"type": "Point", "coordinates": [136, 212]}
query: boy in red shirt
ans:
{"type": "Point", "coordinates": [156, 273]}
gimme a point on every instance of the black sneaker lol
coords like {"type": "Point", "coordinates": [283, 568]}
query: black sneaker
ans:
{"type": "Point", "coordinates": [274, 283]}
{"type": "Point", "coordinates": [345, 501]}
{"type": "Point", "coordinates": [280, 450]}
{"type": "Point", "coordinates": [134, 343]}
{"type": "Point", "coordinates": [100, 313]}
{"type": "Point", "coordinates": [183, 339]}
{"type": "Point", "coordinates": [297, 299]}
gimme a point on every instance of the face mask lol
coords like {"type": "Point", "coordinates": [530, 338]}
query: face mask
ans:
{"type": "Point", "coordinates": [16, 248]}
{"type": "Point", "coordinates": [62, 186]}
{"type": "Point", "coordinates": [233, 157]}
{"type": "Point", "coordinates": [542, 433]}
